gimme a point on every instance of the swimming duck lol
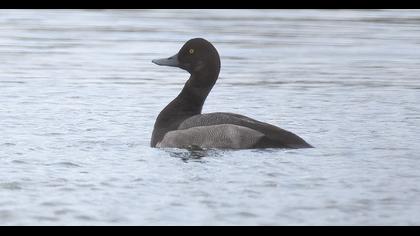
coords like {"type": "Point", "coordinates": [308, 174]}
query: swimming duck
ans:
{"type": "Point", "coordinates": [181, 125]}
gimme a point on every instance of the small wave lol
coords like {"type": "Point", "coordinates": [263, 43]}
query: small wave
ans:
{"type": "Point", "coordinates": [18, 162]}
{"type": "Point", "coordinates": [8, 144]}
{"type": "Point", "coordinates": [66, 164]}
{"type": "Point", "coordinates": [11, 186]}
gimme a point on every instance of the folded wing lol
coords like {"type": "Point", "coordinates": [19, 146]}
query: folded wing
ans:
{"type": "Point", "coordinates": [273, 136]}
{"type": "Point", "coordinates": [212, 136]}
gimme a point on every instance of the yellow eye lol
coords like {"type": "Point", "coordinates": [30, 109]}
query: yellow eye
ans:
{"type": "Point", "coordinates": [191, 51]}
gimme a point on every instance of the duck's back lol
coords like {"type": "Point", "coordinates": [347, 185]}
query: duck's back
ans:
{"type": "Point", "coordinates": [229, 130]}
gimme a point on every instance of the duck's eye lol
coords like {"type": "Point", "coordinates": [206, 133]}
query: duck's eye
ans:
{"type": "Point", "coordinates": [191, 51]}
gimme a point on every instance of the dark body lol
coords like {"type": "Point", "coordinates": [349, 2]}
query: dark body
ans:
{"type": "Point", "coordinates": [181, 125]}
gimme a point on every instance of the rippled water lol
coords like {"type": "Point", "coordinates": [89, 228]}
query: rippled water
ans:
{"type": "Point", "coordinates": [79, 96]}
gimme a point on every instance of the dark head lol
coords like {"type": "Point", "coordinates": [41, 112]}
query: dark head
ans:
{"type": "Point", "coordinates": [197, 55]}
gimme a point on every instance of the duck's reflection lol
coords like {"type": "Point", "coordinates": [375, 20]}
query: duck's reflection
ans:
{"type": "Point", "coordinates": [193, 153]}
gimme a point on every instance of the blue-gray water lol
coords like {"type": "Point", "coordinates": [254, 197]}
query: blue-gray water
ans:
{"type": "Point", "coordinates": [79, 97]}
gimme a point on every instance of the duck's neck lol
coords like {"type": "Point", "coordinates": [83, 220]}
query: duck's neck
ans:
{"type": "Point", "coordinates": [188, 103]}
{"type": "Point", "coordinates": [192, 97]}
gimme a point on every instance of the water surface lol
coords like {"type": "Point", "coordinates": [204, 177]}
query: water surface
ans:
{"type": "Point", "coordinates": [79, 97]}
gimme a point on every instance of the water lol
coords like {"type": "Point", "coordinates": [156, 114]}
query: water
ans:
{"type": "Point", "coordinates": [79, 96]}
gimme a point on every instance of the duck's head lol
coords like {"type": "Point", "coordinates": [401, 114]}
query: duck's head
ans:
{"type": "Point", "coordinates": [196, 55]}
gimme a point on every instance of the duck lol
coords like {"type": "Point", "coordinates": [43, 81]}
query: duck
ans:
{"type": "Point", "coordinates": [182, 125]}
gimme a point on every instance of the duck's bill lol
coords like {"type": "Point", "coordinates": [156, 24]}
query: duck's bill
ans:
{"type": "Point", "coordinates": [170, 61]}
